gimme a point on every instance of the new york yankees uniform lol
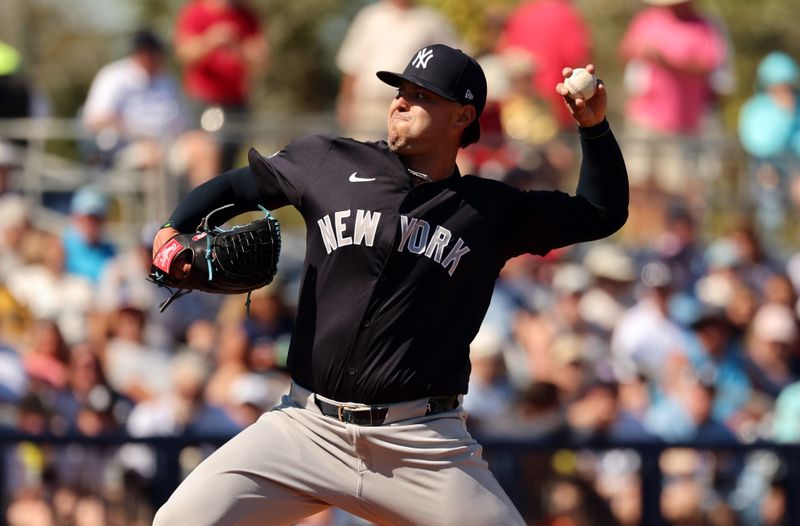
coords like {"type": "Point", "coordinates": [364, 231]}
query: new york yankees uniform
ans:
{"type": "Point", "coordinates": [396, 281]}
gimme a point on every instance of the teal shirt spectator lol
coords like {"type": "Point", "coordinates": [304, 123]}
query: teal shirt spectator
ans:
{"type": "Point", "coordinates": [670, 421]}
{"type": "Point", "coordinates": [729, 373]}
{"type": "Point", "coordinates": [767, 128]}
{"type": "Point", "coordinates": [769, 131]}
{"type": "Point", "coordinates": [86, 252]}
{"type": "Point", "coordinates": [84, 259]}
{"type": "Point", "coordinates": [786, 426]}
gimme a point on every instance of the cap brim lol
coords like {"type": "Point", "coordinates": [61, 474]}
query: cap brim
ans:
{"type": "Point", "coordinates": [393, 79]}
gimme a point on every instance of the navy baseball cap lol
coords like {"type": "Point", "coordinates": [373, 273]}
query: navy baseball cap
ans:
{"type": "Point", "coordinates": [146, 41]}
{"type": "Point", "coordinates": [450, 73]}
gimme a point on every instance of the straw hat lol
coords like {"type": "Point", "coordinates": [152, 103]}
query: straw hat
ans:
{"type": "Point", "coordinates": [775, 323]}
{"type": "Point", "coordinates": [608, 261]}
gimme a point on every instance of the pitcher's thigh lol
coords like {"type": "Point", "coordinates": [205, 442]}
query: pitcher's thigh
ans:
{"type": "Point", "coordinates": [433, 473]}
{"type": "Point", "coordinates": [451, 496]}
{"type": "Point", "coordinates": [235, 485]}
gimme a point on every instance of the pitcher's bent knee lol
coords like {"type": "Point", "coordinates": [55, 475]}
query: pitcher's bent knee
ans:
{"type": "Point", "coordinates": [169, 515]}
{"type": "Point", "coordinates": [163, 516]}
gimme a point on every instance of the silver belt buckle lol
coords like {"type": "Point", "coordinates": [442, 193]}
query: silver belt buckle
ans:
{"type": "Point", "coordinates": [342, 408]}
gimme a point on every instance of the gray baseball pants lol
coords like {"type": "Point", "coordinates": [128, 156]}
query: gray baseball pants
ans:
{"type": "Point", "coordinates": [295, 461]}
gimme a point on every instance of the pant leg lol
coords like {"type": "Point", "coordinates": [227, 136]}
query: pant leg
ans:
{"type": "Point", "coordinates": [288, 465]}
{"type": "Point", "coordinates": [431, 472]}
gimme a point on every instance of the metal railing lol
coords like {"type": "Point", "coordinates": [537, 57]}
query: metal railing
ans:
{"type": "Point", "coordinates": [505, 457]}
{"type": "Point", "coordinates": [138, 196]}
{"type": "Point", "coordinates": [142, 196]}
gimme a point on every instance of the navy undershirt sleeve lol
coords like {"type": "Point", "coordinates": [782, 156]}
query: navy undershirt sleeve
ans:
{"type": "Point", "coordinates": [237, 186]}
{"type": "Point", "coordinates": [543, 220]}
{"type": "Point", "coordinates": [604, 178]}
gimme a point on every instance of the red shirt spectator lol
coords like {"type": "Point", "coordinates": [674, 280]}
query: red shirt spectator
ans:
{"type": "Point", "coordinates": [555, 34]}
{"type": "Point", "coordinates": [218, 41]}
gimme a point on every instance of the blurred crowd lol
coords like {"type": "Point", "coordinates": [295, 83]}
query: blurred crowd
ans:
{"type": "Point", "coordinates": [667, 333]}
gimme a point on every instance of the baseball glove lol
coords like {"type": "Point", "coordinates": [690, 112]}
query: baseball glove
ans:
{"type": "Point", "coordinates": [223, 261]}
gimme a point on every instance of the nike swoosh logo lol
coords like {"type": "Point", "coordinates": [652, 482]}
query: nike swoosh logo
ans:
{"type": "Point", "coordinates": [355, 179]}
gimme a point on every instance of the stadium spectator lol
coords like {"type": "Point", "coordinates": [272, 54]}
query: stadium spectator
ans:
{"type": "Point", "coordinates": [382, 35]}
{"type": "Point", "coordinates": [135, 111]}
{"type": "Point", "coordinates": [618, 482]}
{"type": "Point", "coordinates": [14, 91]}
{"type": "Point", "coordinates": [688, 498]}
{"type": "Point", "coordinates": [490, 394]}
{"type": "Point", "coordinates": [570, 282]}
{"type": "Point", "coordinates": [87, 403]}
{"type": "Point", "coordinates": [19, 99]}
{"type": "Point", "coordinates": [14, 223]}
{"type": "Point", "coordinates": [769, 130]}
{"type": "Point", "coordinates": [46, 358]}
{"type": "Point", "coordinates": [269, 317]}
{"type": "Point", "coordinates": [133, 366]}
{"type": "Point", "coordinates": [756, 265]}
{"type": "Point", "coordinates": [230, 363]}
{"type": "Point", "coordinates": [121, 282]}
{"type": "Point", "coordinates": [87, 251]}
{"type": "Point", "coordinates": [13, 378]}
{"type": "Point", "coordinates": [221, 45]}
{"type": "Point", "coordinates": [252, 395]}
{"type": "Point", "coordinates": [786, 423]}
{"type": "Point", "coordinates": [771, 349]}
{"type": "Point", "coordinates": [182, 410]}
{"type": "Point", "coordinates": [16, 94]}
{"type": "Point", "coordinates": [671, 50]}
{"type": "Point", "coordinates": [524, 287]}
{"type": "Point", "coordinates": [572, 500]}
{"type": "Point", "coordinates": [598, 417]}
{"type": "Point", "coordinates": [740, 309]}
{"type": "Point", "coordinates": [713, 351]}
{"type": "Point", "coordinates": [685, 412]}
{"type": "Point", "coordinates": [554, 34]}
{"type": "Point", "coordinates": [679, 247]}
{"type": "Point", "coordinates": [536, 414]}
{"type": "Point", "coordinates": [179, 411]}
{"type": "Point", "coordinates": [721, 279]}
{"type": "Point", "coordinates": [266, 360]}
{"type": "Point", "coordinates": [48, 291]}
{"type": "Point", "coordinates": [569, 367]}
{"type": "Point", "coordinates": [121, 285]}
{"type": "Point", "coordinates": [647, 335]}
{"type": "Point", "coordinates": [610, 294]}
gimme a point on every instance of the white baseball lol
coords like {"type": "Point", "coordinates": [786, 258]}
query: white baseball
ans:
{"type": "Point", "coordinates": [581, 84]}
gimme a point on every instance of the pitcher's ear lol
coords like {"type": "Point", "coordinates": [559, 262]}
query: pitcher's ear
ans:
{"type": "Point", "coordinates": [467, 114]}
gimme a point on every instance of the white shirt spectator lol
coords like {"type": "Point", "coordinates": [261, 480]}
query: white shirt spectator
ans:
{"type": "Point", "coordinates": [382, 37]}
{"type": "Point", "coordinates": [63, 298]}
{"type": "Point", "coordinates": [145, 106]}
{"type": "Point", "coordinates": [644, 338]}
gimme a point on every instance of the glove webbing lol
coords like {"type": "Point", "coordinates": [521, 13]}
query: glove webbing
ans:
{"type": "Point", "coordinates": [232, 256]}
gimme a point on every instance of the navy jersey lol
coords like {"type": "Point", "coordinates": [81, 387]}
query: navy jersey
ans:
{"type": "Point", "coordinates": [397, 278]}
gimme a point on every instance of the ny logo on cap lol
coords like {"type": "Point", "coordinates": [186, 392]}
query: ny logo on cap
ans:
{"type": "Point", "coordinates": [422, 58]}
{"type": "Point", "coordinates": [468, 95]}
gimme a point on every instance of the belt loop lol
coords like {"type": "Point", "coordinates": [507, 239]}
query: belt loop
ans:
{"type": "Point", "coordinates": [340, 412]}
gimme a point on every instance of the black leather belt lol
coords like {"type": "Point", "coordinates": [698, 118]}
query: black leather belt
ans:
{"type": "Point", "coordinates": [375, 415]}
